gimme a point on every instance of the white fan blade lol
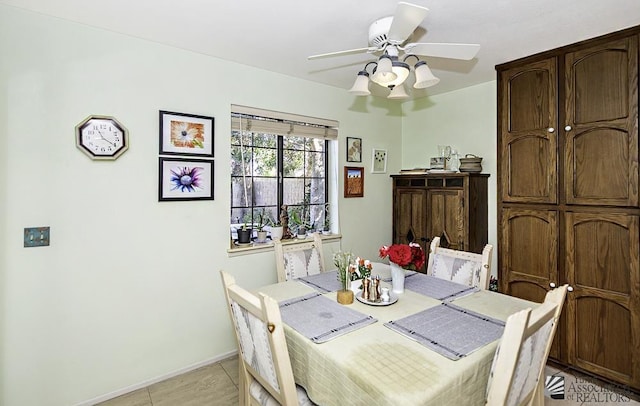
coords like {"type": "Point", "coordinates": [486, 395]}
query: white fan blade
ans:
{"type": "Point", "coordinates": [452, 51]}
{"type": "Point", "coordinates": [407, 18]}
{"type": "Point", "coordinates": [340, 53]}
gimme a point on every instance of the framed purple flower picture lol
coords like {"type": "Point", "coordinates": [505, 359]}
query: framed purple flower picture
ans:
{"type": "Point", "coordinates": [185, 179]}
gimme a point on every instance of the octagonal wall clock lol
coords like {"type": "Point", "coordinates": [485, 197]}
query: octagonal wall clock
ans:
{"type": "Point", "coordinates": [102, 137]}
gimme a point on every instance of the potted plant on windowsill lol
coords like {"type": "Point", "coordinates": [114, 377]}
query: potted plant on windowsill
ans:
{"type": "Point", "coordinates": [298, 224]}
{"type": "Point", "coordinates": [277, 229]}
{"type": "Point", "coordinates": [263, 220]}
{"type": "Point", "coordinates": [244, 234]}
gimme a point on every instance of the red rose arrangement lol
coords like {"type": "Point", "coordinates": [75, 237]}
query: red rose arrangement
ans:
{"type": "Point", "coordinates": [409, 256]}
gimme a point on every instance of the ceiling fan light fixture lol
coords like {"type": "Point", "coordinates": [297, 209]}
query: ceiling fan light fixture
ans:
{"type": "Point", "coordinates": [361, 85]}
{"type": "Point", "coordinates": [383, 73]}
{"type": "Point", "coordinates": [398, 92]}
{"type": "Point", "coordinates": [424, 76]}
{"type": "Point", "coordinates": [401, 69]}
{"type": "Point", "coordinates": [391, 36]}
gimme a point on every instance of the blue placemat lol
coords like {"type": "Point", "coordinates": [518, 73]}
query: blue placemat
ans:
{"type": "Point", "coordinates": [321, 319]}
{"type": "Point", "coordinates": [322, 282]}
{"type": "Point", "coordinates": [449, 330]}
{"type": "Point", "coordinates": [437, 288]}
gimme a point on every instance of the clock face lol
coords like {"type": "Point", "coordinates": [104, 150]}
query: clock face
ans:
{"type": "Point", "coordinates": [102, 137]}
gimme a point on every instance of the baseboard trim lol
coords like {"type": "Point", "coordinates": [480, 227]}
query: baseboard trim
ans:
{"type": "Point", "coordinates": [144, 384]}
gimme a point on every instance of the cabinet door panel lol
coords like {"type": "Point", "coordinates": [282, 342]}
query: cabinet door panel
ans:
{"type": "Point", "coordinates": [410, 216]}
{"type": "Point", "coordinates": [446, 215]}
{"type": "Point", "coordinates": [601, 134]}
{"type": "Point", "coordinates": [603, 267]}
{"type": "Point", "coordinates": [598, 175]}
{"type": "Point", "coordinates": [528, 168]}
{"type": "Point", "coordinates": [528, 144]}
{"type": "Point", "coordinates": [529, 250]}
{"type": "Point", "coordinates": [528, 254]}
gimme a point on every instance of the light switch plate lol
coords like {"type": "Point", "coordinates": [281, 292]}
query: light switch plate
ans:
{"type": "Point", "coordinates": [36, 236]}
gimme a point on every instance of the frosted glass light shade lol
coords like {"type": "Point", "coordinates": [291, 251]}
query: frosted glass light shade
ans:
{"type": "Point", "coordinates": [361, 85]}
{"type": "Point", "coordinates": [402, 70]}
{"type": "Point", "coordinates": [398, 92]}
{"type": "Point", "coordinates": [424, 76]}
{"type": "Point", "coordinates": [383, 73]}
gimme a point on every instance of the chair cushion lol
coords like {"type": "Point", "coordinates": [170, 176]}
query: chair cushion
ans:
{"type": "Point", "coordinates": [457, 270]}
{"type": "Point", "coordinates": [298, 264]}
{"type": "Point", "coordinates": [264, 398]}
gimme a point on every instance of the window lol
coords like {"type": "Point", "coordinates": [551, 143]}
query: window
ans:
{"type": "Point", "coordinates": [276, 162]}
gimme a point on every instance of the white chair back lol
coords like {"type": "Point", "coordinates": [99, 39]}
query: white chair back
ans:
{"type": "Point", "coordinates": [518, 366]}
{"type": "Point", "coordinates": [265, 369]}
{"type": "Point", "coordinates": [297, 260]}
{"type": "Point", "coordinates": [466, 268]}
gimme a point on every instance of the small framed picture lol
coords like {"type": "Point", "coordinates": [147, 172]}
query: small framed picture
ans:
{"type": "Point", "coordinates": [185, 179]}
{"type": "Point", "coordinates": [353, 181]}
{"type": "Point", "coordinates": [186, 134]}
{"type": "Point", "coordinates": [354, 149]}
{"type": "Point", "coordinates": [379, 161]}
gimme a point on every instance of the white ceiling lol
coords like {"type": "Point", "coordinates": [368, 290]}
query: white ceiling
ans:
{"type": "Point", "coordinates": [278, 35]}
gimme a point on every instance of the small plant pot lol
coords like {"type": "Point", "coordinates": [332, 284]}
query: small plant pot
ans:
{"type": "Point", "coordinates": [276, 233]}
{"type": "Point", "coordinates": [244, 236]}
{"type": "Point", "coordinates": [345, 297]}
{"type": "Point", "coordinates": [262, 236]}
{"type": "Point", "coordinates": [302, 233]}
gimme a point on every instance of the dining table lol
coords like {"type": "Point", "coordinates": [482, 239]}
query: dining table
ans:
{"type": "Point", "coordinates": [429, 347]}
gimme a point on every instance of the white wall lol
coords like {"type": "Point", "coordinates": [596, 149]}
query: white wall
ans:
{"type": "Point", "coordinates": [464, 119]}
{"type": "Point", "coordinates": [129, 288]}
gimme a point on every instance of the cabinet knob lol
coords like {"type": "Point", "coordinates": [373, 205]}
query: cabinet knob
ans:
{"type": "Point", "coordinates": [567, 128]}
{"type": "Point", "coordinates": [552, 285]}
{"type": "Point", "coordinates": [551, 129]}
{"type": "Point", "coordinates": [570, 288]}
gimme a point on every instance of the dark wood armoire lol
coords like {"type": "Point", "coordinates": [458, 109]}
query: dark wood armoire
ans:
{"type": "Point", "coordinates": [452, 206]}
{"type": "Point", "coordinates": [568, 207]}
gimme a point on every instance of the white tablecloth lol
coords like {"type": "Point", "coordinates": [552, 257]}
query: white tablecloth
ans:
{"type": "Point", "coordinates": [375, 365]}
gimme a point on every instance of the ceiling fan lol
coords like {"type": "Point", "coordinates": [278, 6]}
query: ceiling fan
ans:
{"type": "Point", "coordinates": [389, 36]}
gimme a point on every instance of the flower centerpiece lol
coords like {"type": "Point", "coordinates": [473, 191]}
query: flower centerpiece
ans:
{"type": "Point", "coordinates": [359, 271]}
{"type": "Point", "coordinates": [362, 269]}
{"type": "Point", "coordinates": [402, 256]}
{"type": "Point", "coordinates": [343, 260]}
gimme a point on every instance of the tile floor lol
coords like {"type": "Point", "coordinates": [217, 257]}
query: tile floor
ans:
{"type": "Point", "coordinates": [217, 385]}
{"type": "Point", "coordinates": [211, 385]}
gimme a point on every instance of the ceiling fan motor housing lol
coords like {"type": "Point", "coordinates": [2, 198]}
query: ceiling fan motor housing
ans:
{"type": "Point", "coordinates": [378, 31]}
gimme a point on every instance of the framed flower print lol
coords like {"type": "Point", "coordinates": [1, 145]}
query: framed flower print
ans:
{"type": "Point", "coordinates": [354, 149]}
{"type": "Point", "coordinates": [379, 161]}
{"type": "Point", "coordinates": [186, 134]}
{"type": "Point", "coordinates": [185, 179]}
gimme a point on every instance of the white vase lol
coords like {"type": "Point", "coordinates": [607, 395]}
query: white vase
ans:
{"type": "Point", "coordinates": [397, 278]}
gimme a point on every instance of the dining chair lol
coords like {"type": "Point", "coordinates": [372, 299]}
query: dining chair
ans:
{"type": "Point", "coordinates": [265, 369]}
{"type": "Point", "coordinates": [298, 260]}
{"type": "Point", "coordinates": [518, 365]}
{"type": "Point", "coordinates": [466, 268]}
